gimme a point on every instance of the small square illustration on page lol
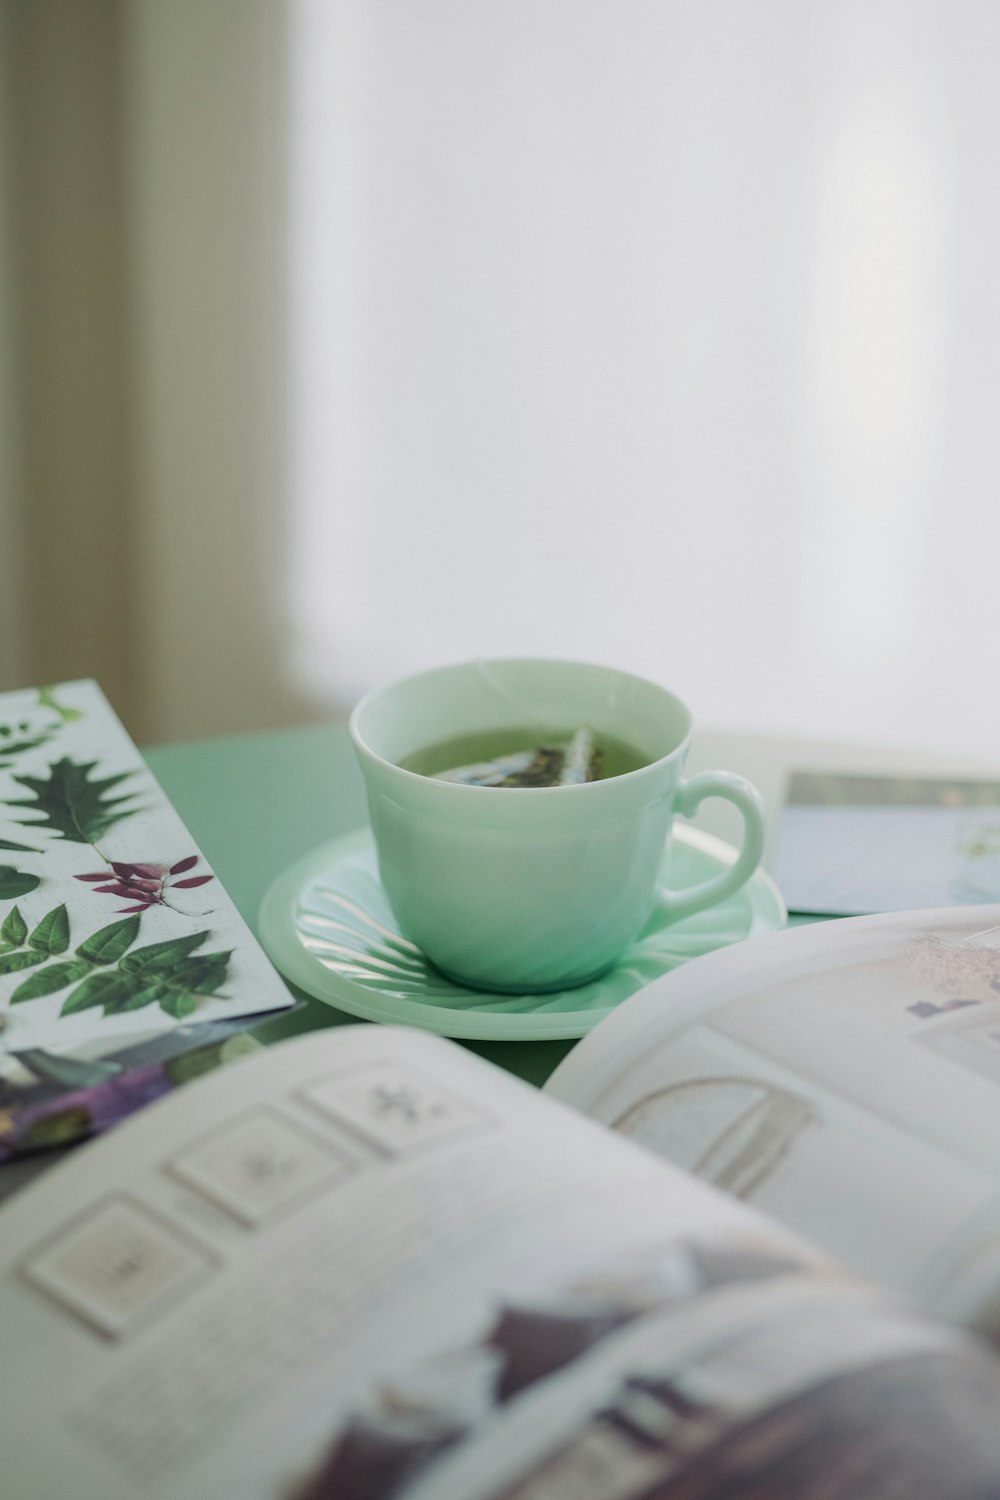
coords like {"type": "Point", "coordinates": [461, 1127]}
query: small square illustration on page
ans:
{"type": "Point", "coordinates": [396, 1107]}
{"type": "Point", "coordinates": [117, 1265]}
{"type": "Point", "coordinates": [259, 1165]}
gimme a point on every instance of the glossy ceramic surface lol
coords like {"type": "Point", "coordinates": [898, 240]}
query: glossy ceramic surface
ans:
{"type": "Point", "coordinates": [541, 888]}
{"type": "Point", "coordinates": [327, 925]}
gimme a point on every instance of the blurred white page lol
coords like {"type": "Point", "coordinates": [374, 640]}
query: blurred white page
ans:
{"type": "Point", "coordinates": [843, 1077]}
{"type": "Point", "coordinates": [850, 845]}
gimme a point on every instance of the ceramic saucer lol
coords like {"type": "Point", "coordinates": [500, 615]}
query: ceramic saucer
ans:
{"type": "Point", "coordinates": [327, 926]}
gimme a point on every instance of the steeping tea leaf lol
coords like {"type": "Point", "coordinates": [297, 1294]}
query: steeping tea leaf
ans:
{"type": "Point", "coordinates": [526, 757]}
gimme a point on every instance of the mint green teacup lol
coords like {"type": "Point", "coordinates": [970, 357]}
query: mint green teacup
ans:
{"type": "Point", "coordinates": [526, 889]}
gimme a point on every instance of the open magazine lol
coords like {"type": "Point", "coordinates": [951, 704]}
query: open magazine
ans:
{"type": "Point", "coordinates": [366, 1265]}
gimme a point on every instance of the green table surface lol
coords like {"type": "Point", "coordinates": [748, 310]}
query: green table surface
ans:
{"type": "Point", "coordinates": [256, 803]}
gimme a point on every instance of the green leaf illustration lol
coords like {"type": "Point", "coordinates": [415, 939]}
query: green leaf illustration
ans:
{"type": "Point", "coordinates": [11, 962]}
{"type": "Point", "coordinates": [108, 945]}
{"type": "Point", "coordinates": [13, 930]}
{"type": "Point", "coordinates": [142, 995]}
{"type": "Point", "coordinates": [15, 883]}
{"type": "Point", "coordinates": [21, 848]}
{"type": "Point", "coordinates": [150, 994]}
{"type": "Point", "coordinates": [168, 974]}
{"type": "Point", "coordinates": [109, 988]}
{"type": "Point", "coordinates": [186, 981]}
{"type": "Point", "coordinates": [51, 936]}
{"type": "Point", "coordinates": [201, 974]}
{"type": "Point", "coordinates": [177, 986]}
{"type": "Point", "coordinates": [155, 958]}
{"type": "Point", "coordinates": [178, 1005]}
{"type": "Point", "coordinates": [53, 977]}
{"type": "Point", "coordinates": [15, 748]}
{"type": "Point", "coordinates": [72, 805]}
{"type": "Point", "coordinates": [47, 699]}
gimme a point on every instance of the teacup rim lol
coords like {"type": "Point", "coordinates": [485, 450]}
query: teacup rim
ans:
{"type": "Point", "coordinates": [451, 787]}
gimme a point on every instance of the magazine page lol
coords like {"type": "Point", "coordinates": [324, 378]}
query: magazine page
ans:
{"type": "Point", "coordinates": [113, 928]}
{"type": "Point", "coordinates": [844, 1078]}
{"type": "Point", "coordinates": [364, 1264]}
{"type": "Point", "coordinates": [124, 967]}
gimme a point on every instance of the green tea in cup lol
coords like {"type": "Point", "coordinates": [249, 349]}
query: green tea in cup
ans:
{"type": "Point", "coordinates": [526, 756]}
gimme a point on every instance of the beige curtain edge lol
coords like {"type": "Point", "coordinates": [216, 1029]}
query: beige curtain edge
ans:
{"type": "Point", "coordinates": [143, 374]}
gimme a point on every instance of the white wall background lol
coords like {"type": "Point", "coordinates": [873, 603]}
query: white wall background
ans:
{"type": "Point", "coordinates": [665, 333]}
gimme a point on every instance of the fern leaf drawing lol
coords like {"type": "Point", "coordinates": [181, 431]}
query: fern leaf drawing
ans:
{"type": "Point", "coordinates": [72, 804]}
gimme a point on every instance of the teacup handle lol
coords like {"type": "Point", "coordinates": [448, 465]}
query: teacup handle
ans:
{"type": "Point", "coordinates": [672, 905]}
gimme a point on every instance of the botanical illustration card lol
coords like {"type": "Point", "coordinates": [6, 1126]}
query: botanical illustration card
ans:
{"type": "Point", "coordinates": [852, 845]}
{"type": "Point", "coordinates": [112, 925]}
